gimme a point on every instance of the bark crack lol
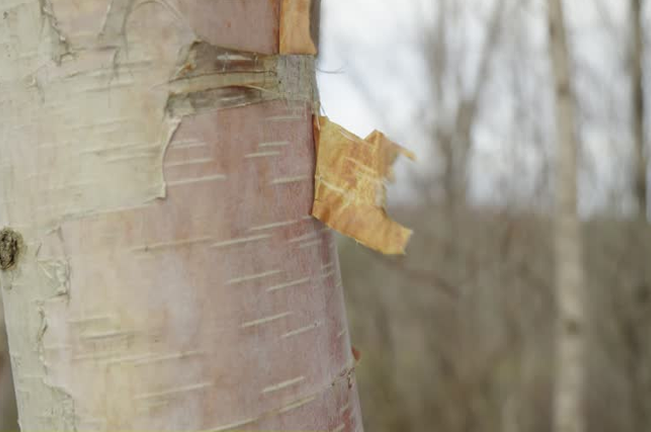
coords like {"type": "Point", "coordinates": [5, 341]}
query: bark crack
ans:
{"type": "Point", "coordinates": [60, 43]}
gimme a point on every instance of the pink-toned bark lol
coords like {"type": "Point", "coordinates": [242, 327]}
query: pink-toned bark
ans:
{"type": "Point", "coordinates": [240, 289]}
{"type": "Point", "coordinates": [246, 25]}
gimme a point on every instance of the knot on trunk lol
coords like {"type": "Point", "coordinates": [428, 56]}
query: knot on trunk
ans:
{"type": "Point", "coordinates": [10, 245]}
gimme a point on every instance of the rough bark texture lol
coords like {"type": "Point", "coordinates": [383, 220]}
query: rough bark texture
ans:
{"type": "Point", "coordinates": [171, 277]}
{"type": "Point", "coordinates": [570, 285]}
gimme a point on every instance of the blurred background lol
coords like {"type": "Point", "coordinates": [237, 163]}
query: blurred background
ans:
{"type": "Point", "coordinates": [459, 335]}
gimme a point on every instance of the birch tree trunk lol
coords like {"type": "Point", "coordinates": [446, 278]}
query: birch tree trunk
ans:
{"type": "Point", "coordinates": [162, 271]}
{"type": "Point", "coordinates": [637, 76]}
{"type": "Point", "coordinates": [570, 288]}
{"type": "Point", "coordinates": [8, 414]}
{"type": "Point", "coordinates": [637, 329]}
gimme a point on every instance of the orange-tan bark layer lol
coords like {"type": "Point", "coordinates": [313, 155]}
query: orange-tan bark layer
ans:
{"type": "Point", "coordinates": [295, 28]}
{"type": "Point", "coordinates": [350, 193]}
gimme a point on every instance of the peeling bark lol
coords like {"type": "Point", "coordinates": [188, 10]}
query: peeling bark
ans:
{"type": "Point", "coordinates": [297, 30]}
{"type": "Point", "coordinates": [213, 78]}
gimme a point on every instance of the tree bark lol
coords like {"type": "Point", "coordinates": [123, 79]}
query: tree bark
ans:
{"type": "Point", "coordinates": [8, 410]}
{"type": "Point", "coordinates": [637, 364]}
{"type": "Point", "coordinates": [157, 162]}
{"type": "Point", "coordinates": [570, 285]}
{"type": "Point", "coordinates": [637, 77]}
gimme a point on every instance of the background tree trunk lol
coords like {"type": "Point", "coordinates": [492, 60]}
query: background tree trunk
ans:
{"type": "Point", "coordinates": [637, 76]}
{"type": "Point", "coordinates": [636, 325]}
{"type": "Point", "coordinates": [169, 276]}
{"type": "Point", "coordinates": [570, 285]}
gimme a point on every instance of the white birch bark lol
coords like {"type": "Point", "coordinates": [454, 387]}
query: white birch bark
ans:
{"type": "Point", "coordinates": [568, 398]}
{"type": "Point", "coordinates": [170, 276]}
